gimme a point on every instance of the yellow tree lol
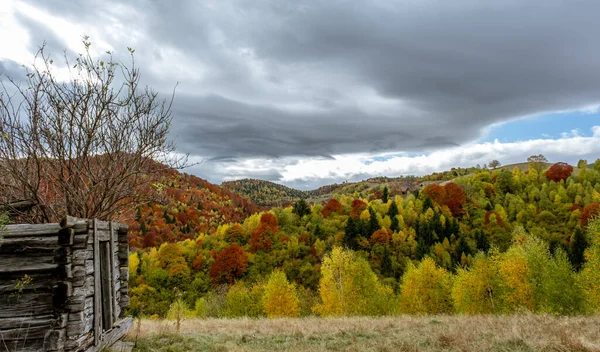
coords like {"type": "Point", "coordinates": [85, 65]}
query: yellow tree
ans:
{"type": "Point", "coordinates": [426, 289]}
{"type": "Point", "coordinates": [475, 289]}
{"type": "Point", "coordinates": [589, 277]}
{"type": "Point", "coordinates": [348, 286]}
{"type": "Point", "coordinates": [279, 297]}
{"type": "Point", "coordinates": [514, 282]}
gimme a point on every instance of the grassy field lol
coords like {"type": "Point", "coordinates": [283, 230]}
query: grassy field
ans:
{"type": "Point", "coordinates": [406, 333]}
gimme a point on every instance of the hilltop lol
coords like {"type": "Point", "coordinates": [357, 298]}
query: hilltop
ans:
{"type": "Point", "coordinates": [271, 194]}
{"type": "Point", "coordinates": [188, 206]}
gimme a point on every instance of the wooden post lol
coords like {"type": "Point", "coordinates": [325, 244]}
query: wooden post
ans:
{"type": "Point", "coordinates": [105, 273]}
{"type": "Point", "coordinates": [111, 261]}
{"type": "Point", "coordinates": [97, 292]}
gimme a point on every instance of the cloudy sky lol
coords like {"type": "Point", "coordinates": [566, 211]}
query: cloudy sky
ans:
{"type": "Point", "coordinates": [307, 93]}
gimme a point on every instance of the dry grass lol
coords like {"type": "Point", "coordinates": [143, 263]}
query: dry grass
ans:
{"type": "Point", "coordinates": [406, 333]}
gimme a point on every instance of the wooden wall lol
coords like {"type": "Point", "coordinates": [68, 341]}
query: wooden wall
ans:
{"type": "Point", "coordinates": [61, 309]}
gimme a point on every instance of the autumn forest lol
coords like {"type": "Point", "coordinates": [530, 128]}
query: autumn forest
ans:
{"type": "Point", "coordinates": [471, 241]}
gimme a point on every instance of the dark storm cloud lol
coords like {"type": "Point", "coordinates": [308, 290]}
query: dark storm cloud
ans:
{"type": "Point", "coordinates": [306, 78]}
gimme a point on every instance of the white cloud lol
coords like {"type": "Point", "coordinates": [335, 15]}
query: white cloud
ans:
{"type": "Point", "coordinates": [313, 172]}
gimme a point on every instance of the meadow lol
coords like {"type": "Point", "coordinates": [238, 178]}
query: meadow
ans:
{"type": "Point", "coordinates": [523, 332]}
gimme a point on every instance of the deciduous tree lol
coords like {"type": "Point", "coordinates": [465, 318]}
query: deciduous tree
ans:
{"type": "Point", "coordinates": [87, 146]}
{"type": "Point", "coordinates": [231, 263]}
{"type": "Point", "coordinates": [279, 297]}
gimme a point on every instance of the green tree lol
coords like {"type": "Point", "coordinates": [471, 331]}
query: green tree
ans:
{"type": "Point", "coordinates": [373, 222]}
{"type": "Point", "coordinates": [385, 196]}
{"type": "Point", "coordinates": [392, 213]}
{"type": "Point", "coordinates": [387, 269]}
{"type": "Point", "coordinates": [577, 250]}
{"type": "Point", "coordinates": [537, 162]}
{"type": "Point", "coordinates": [350, 234]}
{"type": "Point", "coordinates": [301, 208]}
{"type": "Point", "coordinates": [588, 277]}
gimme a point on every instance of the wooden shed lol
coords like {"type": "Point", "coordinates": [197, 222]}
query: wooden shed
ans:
{"type": "Point", "coordinates": [63, 287]}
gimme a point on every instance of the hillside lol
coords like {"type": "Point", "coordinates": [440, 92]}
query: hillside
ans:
{"type": "Point", "coordinates": [188, 206]}
{"type": "Point", "coordinates": [270, 194]}
{"type": "Point", "coordinates": [512, 226]}
{"type": "Point", "coordinates": [264, 193]}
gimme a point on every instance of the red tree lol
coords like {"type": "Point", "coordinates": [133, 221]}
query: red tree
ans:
{"type": "Point", "coordinates": [333, 206]}
{"type": "Point", "coordinates": [450, 195]}
{"type": "Point", "coordinates": [262, 237]}
{"type": "Point", "coordinates": [559, 171]}
{"type": "Point", "coordinates": [589, 212]}
{"type": "Point", "coordinates": [455, 199]}
{"type": "Point", "coordinates": [436, 192]}
{"type": "Point", "coordinates": [231, 263]}
{"type": "Point", "coordinates": [381, 236]}
{"type": "Point", "coordinates": [357, 208]}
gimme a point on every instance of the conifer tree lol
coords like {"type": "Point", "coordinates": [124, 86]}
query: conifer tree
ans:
{"type": "Point", "coordinates": [386, 264]}
{"type": "Point", "coordinates": [578, 246]}
{"type": "Point", "coordinates": [373, 222]}
{"type": "Point", "coordinates": [301, 208]}
{"type": "Point", "coordinates": [392, 213]}
{"type": "Point", "coordinates": [385, 195]}
{"type": "Point", "coordinates": [483, 244]}
{"type": "Point", "coordinates": [350, 234]}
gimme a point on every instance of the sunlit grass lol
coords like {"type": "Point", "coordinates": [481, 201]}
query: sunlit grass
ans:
{"type": "Point", "coordinates": [405, 333]}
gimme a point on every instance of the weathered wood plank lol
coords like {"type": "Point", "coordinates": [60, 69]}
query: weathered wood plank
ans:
{"type": "Point", "coordinates": [20, 321]}
{"type": "Point", "coordinates": [46, 243]}
{"type": "Point", "coordinates": [113, 271]}
{"type": "Point", "coordinates": [115, 334]}
{"type": "Point", "coordinates": [107, 289]}
{"type": "Point", "coordinates": [26, 304]}
{"type": "Point", "coordinates": [103, 235]}
{"type": "Point", "coordinates": [28, 230]}
{"type": "Point", "coordinates": [123, 228]}
{"type": "Point", "coordinates": [70, 221]}
{"type": "Point", "coordinates": [15, 263]}
{"type": "Point", "coordinates": [97, 302]}
{"type": "Point", "coordinates": [79, 343]}
{"type": "Point", "coordinates": [24, 333]}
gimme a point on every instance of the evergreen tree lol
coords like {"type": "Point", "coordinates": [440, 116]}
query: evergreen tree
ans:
{"type": "Point", "coordinates": [386, 195]}
{"type": "Point", "coordinates": [427, 203]}
{"type": "Point", "coordinates": [350, 234]}
{"type": "Point", "coordinates": [386, 264]}
{"type": "Point", "coordinates": [392, 213]}
{"type": "Point", "coordinates": [578, 246]}
{"type": "Point", "coordinates": [143, 228]}
{"type": "Point", "coordinates": [301, 208]}
{"type": "Point", "coordinates": [318, 232]}
{"type": "Point", "coordinates": [422, 249]}
{"type": "Point", "coordinates": [373, 222]}
{"type": "Point", "coordinates": [462, 247]}
{"type": "Point", "coordinates": [483, 244]}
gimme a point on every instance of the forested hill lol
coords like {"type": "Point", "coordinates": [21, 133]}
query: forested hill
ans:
{"type": "Point", "coordinates": [493, 215]}
{"type": "Point", "coordinates": [270, 194]}
{"type": "Point", "coordinates": [187, 206]}
{"type": "Point", "coordinates": [264, 193]}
